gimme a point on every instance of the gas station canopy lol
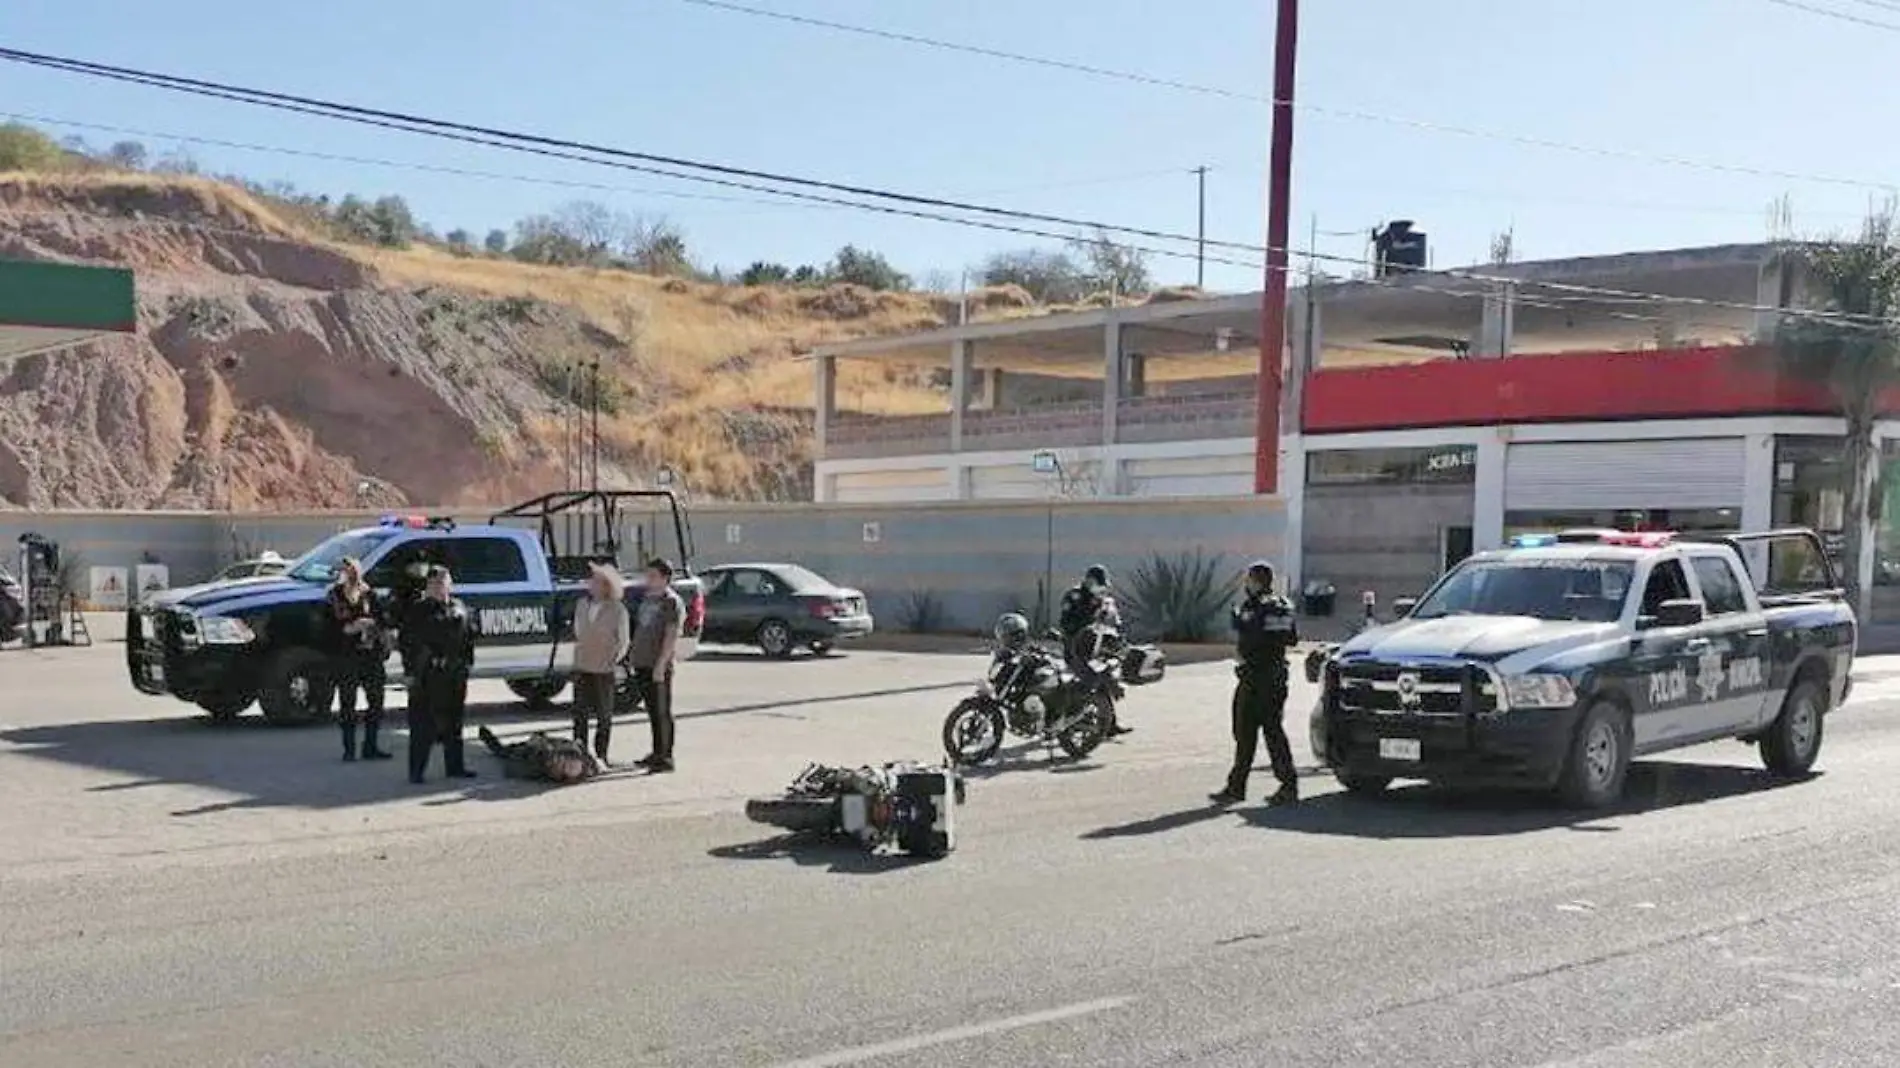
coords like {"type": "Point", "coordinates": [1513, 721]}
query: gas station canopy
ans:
{"type": "Point", "coordinates": [52, 305]}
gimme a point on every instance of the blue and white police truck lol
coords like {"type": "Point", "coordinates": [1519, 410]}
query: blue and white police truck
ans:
{"type": "Point", "coordinates": [226, 645]}
{"type": "Point", "coordinates": [1553, 662]}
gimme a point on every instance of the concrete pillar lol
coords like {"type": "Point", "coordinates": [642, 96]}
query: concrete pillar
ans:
{"type": "Point", "coordinates": [825, 399]}
{"type": "Point", "coordinates": [1774, 288]}
{"type": "Point", "coordinates": [1293, 492]}
{"type": "Point", "coordinates": [1495, 330]}
{"type": "Point", "coordinates": [959, 392]}
{"type": "Point", "coordinates": [1488, 503]}
{"type": "Point", "coordinates": [1304, 344]}
{"type": "Point", "coordinates": [1135, 378]}
{"type": "Point", "coordinates": [1758, 497]}
{"type": "Point", "coordinates": [959, 475]}
{"type": "Point", "coordinates": [1111, 377]}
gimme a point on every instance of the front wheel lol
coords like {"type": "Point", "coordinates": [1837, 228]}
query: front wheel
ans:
{"type": "Point", "coordinates": [627, 698]}
{"type": "Point", "coordinates": [1086, 729]}
{"type": "Point", "coordinates": [537, 694]}
{"type": "Point", "coordinates": [1599, 759]}
{"type": "Point", "coordinates": [1793, 741]}
{"type": "Point", "coordinates": [297, 688]}
{"type": "Point", "coordinates": [800, 815]}
{"type": "Point", "coordinates": [822, 648]}
{"type": "Point", "coordinates": [775, 639]}
{"type": "Point", "coordinates": [973, 732]}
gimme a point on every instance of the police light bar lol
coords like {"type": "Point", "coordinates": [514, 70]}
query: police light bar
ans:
{"type": "Point", "coordinates": [1647, 539]}
{"type": "Point", "coordinates": [413, 522]}
{"type": "Point", "coordinates": [1533, 541]}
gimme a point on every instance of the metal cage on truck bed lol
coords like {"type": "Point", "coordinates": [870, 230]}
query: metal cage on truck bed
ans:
{"type": "Point", "coordinates": [579, 528]}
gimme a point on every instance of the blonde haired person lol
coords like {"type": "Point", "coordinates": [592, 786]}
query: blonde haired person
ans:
{"type": "Point", "coordinates": [602, 633]}
{"type": "Point", "coordinates": [357, 650]}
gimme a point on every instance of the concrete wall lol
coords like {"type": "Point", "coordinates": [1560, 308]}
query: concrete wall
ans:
{"type": "Point", "coordinates": [1382, 538]}
{"type": "Point", "coordinates": [977, 558]}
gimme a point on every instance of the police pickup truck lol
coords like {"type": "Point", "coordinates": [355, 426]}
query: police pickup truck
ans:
{"type": "Point", "coordinates": [225, 645]}
{"type": "Point", "coordinates": [1556, 661]}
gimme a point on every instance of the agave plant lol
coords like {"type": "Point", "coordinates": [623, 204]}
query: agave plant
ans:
{"type": "Point", "coordinates": [1179, 598]}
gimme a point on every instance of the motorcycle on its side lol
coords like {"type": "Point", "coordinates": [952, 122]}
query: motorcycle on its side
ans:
{"type": "Point", "coordinates": [908, 807]}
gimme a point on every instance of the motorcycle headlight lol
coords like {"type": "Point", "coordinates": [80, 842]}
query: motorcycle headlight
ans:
{"type": "Point", "coordinates": [1538, 691]}
{"type": "Point", "coordinates": [984, 689]}
{"type": "Point", "coordinates": [224, 630]}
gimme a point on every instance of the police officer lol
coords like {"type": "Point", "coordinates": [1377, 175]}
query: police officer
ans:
{"type": "Point", "coordinates": [358, 646]}
{"type": "Point", "coordinates": [1264, 630]}
{"type": "Point", "coordinates": [438, 650]}
{"type": "Point", "coordinates": [1081, 610]}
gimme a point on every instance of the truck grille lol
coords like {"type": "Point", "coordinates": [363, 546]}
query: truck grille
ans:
{"type": "Point", "coordinates": [1434, 689]}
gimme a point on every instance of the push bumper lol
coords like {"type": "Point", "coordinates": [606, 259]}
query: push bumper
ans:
{"type": "Point", "coordinates": [158, 664]}
{"type": "Point", "coordinates": [1519, 748]}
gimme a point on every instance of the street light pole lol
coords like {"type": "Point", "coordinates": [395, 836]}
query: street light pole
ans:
{"type": "Point", "coordinates": [1200, 233]}
{"type": "Point", "coordinates": [1266, 470]}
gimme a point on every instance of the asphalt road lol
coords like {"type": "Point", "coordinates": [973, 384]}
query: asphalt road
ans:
{"type": "Point", "coordinates": [174, 894]}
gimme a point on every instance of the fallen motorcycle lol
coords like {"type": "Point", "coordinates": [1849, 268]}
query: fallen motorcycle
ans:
{"type": "Point", "coordinates": [909, 807]}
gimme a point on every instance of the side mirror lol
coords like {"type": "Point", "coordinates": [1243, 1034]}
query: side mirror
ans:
{"type": "Point", "coordinates": [1402, 606]}
{"type": "Point", "coordinates": [1679, 613]}
{"type": "Point", "coordinates": [1316, 663]}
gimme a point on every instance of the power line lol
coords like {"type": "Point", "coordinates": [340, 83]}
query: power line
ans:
{"type": "Point", "coordinates": [1844, 16]}
{"type": "Point", "coordinates": [1154, 81]}
{"type": "Point", "coordinates": [731, 176]}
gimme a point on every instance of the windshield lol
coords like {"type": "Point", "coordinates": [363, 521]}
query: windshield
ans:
{"type": "Point", "coordinates": [1587, 590]}
{"type": "Point", "coordinates": [320, 563]}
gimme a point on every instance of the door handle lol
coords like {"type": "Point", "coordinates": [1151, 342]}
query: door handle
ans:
{"type": "Point", "coordinates": [1697, 643]}
{"type": "Point", "coordinates": [1762, 633]}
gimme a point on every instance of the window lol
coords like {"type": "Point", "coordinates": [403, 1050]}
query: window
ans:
{"type": "Point", "coordinates": [392, 570]}
{"type": "Point", "coordinates": [1721, 591]}
{"type": "Point", "coordinates": [1666, 583]}
{"type": "Point", "coordinates": [1356, 467]}
{"type": "Point", "coordinates": [486, 561]}
{"type": "Point", "coordinates": [752, 584]}
{"type": "Point", "coordinates": [320, 563]}
{"type": "Point", "coordinates": [1570, 588]}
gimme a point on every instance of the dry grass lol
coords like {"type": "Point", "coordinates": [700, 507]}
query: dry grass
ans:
{"type": "Point", "coordinates": [202, 201]}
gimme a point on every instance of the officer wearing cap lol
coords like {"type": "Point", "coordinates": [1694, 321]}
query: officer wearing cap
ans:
{"type": "Point", "coordinates": [1264, 631]}
{"type": "Point", "coordinates": [438, 640]}
{"type": "Point", "coordinates": [1081, 610]}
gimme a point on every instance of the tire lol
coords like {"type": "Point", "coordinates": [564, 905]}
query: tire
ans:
{"type": "Point", "coordinates": [973, 732]}
{"type": "Point", "coordinates": [1792, 742]}
{"type": "Point", "coordinates": [537, 694]}
{"type": "Point", "coordinates": [1362, 785]}
{"type": "Point", "coordinates": [225, 708]}
{"type": "Point", "coordinates": [800, 815]}
{"type": "Point", "coordinates": [297, 689]}
{"type": "Point", "coordinates": [1598, 763]}
{"type": "Point", "coordinates": [1086, 731]}
{"type": "Point", "coordinates": [822, 648]}
{"type": "Point", "coordinates": [627, 699]}
{"type": "Point", "coordinates": [775, 639]}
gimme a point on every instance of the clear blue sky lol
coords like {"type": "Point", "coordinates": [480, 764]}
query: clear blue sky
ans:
{"type": "Point", "coordinates": [1733, 81]}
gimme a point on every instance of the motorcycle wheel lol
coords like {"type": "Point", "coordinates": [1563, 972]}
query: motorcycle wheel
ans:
{"type": "Point", "coordinates": [801, 815]}
{"type": "Point", "coordinates": [973, 732]}
{"type": "Point", "coordinates": [1081, 735]}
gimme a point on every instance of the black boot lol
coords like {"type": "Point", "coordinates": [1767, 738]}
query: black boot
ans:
{"type": "Point", "coordinates": [1287, 794]}
{"type": "Point", "coordinates": [580, 729]}
{"type": "Point", "coordinates": [349, 742]}
{"type": "Point", "coordinates": [370, 750]}
{"type": "Point", "coordinates": [602, 736]}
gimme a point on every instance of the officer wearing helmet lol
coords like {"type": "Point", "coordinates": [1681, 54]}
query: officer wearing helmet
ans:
{"type": "Point", "coordinates": [1082, 609]}
{"type": "Point", "coordinates": [1264, 630]}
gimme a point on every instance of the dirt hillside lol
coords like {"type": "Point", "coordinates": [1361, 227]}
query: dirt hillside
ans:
{"type": "Point", "coordinates": [274, 370]}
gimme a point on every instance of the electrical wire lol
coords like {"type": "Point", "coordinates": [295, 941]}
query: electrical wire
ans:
{"type": "Point", "coordinates": [748, 179]}
{"type": "Point", "coordinates": [1844, 16]}
{"type": "Point", "coordinates": [1314, 109]}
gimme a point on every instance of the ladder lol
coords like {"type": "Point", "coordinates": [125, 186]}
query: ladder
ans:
{"type": "Point", "coordinates": [76, 632]}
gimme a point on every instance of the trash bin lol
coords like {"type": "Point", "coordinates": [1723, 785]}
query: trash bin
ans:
{"type": "Point", "coordinates": [1319, 597]}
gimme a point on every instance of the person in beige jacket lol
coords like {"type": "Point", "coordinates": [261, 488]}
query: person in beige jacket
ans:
{"type": "Point", "coordinates": [601, 636]}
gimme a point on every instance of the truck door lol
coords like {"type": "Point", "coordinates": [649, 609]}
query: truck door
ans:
{"type": "Point", "coordinates": [395, 578]}
{"type": "Point", "coordinates": [1732, 673]}
{"type": "Point", "coordinates": [514, 617]}
{"type": "Point", "coordinates": [1662, 693]}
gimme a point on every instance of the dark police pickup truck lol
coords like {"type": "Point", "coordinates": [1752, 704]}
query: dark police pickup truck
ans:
{"type": "Point", "coordinates": [1555, 662]}
{"type": "Point", "coordinates": [224, 645]}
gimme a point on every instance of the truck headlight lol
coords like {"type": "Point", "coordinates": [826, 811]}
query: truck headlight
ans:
{"type": "Point", "coordinates": [224, 630]}
{"type": "Point", "coordinates": [1538, 691]}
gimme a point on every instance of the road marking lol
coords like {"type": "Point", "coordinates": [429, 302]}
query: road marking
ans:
{"type": "Point", "coordinates": [860, 1054]}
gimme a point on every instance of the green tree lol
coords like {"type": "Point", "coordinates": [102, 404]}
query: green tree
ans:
{"type": "Point", "coordinates": [1112, 268]}
{"type": "Point", "coordinates": [862, 267]}
{"type": "Point", "coordinates": [1855, 350]}
{"type": "Point", "coordinates": [22, 148]}
{"type": "Point", "coordinates": [1049, 277]}
{"type": "Point", "coordinates": [393, 223]}
{"type": "Point", "coordinates": [460, 241]}
{"type": "Point", "coordinates": [496, 242]}
{"type": "Point", "coordinates": [542, 239]}
{"type": "Point", "coordinates": [129, 155]}
{"type": "Point", "coordinates": [762, 273]}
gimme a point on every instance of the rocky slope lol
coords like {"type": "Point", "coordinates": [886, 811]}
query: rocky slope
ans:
{"type": "Point", "coordinates": [275, 371]}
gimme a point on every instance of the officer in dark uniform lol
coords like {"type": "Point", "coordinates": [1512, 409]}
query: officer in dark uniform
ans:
{"type": "Point", "coordinates": [1264, 630]}
{"type": "Point", "coordinates": [438, 640]}
{"type": "Point", "coordinates": [1081, 610]}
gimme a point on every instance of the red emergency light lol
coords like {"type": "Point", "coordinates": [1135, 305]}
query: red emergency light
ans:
{"type": "Point", "coordinates": [1645, 539]}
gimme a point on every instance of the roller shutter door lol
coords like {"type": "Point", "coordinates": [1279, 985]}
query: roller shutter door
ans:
{"type": "Point", "coordinates": [1691, 473]}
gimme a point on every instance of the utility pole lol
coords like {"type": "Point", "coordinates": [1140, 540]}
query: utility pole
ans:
{"type": "Point", "coordinates": [1200, 234]}
{"type": "Point", "coordinates": [593, 435]}
{"type": "Point", "coordinates": [1266, 468]}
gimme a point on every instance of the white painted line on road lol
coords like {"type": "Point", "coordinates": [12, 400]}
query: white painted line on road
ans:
{"type": "Point", "coordinates": [860, 1054]}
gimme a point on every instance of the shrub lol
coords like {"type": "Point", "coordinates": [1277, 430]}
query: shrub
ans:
{"type": "Point", "coordinates": [921, 612]}
{"type": "Point", "coordinates": [1179, 598]}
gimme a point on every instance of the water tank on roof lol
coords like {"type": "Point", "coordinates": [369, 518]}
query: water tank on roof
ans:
{"type": "Point", "coordinates": [1398, 248]}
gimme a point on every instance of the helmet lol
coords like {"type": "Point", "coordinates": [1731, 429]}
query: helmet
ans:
{"type": "Point", "coordinates": [1261, 574]}
{"type": "Point", "coordinates": [1012, 629]}
{"type": "Point", "coordinates": [1096, 575]}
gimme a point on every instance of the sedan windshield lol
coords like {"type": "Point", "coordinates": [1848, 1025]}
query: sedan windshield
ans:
{"type": "Point", "coordinates": [1572, 589]}
{"type": "Point", "coordinates": [320, 563]}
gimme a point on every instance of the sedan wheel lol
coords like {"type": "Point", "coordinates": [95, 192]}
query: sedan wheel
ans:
{"type": "Point", "coordinates": [775, 638]}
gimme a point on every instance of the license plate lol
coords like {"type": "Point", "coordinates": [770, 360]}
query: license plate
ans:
{"type": "Point", "coordinates": [1399, 749]}
{"type": "Point", "coordinates": [156, 673]}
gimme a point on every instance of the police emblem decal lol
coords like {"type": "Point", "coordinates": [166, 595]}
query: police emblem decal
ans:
{"type": "Point", "coordinates": [1407, 685]}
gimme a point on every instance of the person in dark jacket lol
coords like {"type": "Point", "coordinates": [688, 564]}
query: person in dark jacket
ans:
{"type": "Point", "coordinates": [1264, 631]}
{"type": "Point", "coordinates": [359, 644]}
{"type": "Point", "coordinates": [438, 641]}
{"type": "Point", "coordinates": [1082, 612]}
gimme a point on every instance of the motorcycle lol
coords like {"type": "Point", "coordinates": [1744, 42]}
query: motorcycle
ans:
{"type": "Point", "coordinates": [1030, 691]}
{"type": "Point", "coordinates": [12, 608]}
{"type": "Point", "coordinates": [909, 807]}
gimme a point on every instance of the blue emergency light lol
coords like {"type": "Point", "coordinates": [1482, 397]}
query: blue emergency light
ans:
{"type": "Point", "coordinates": [1533, 541]}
